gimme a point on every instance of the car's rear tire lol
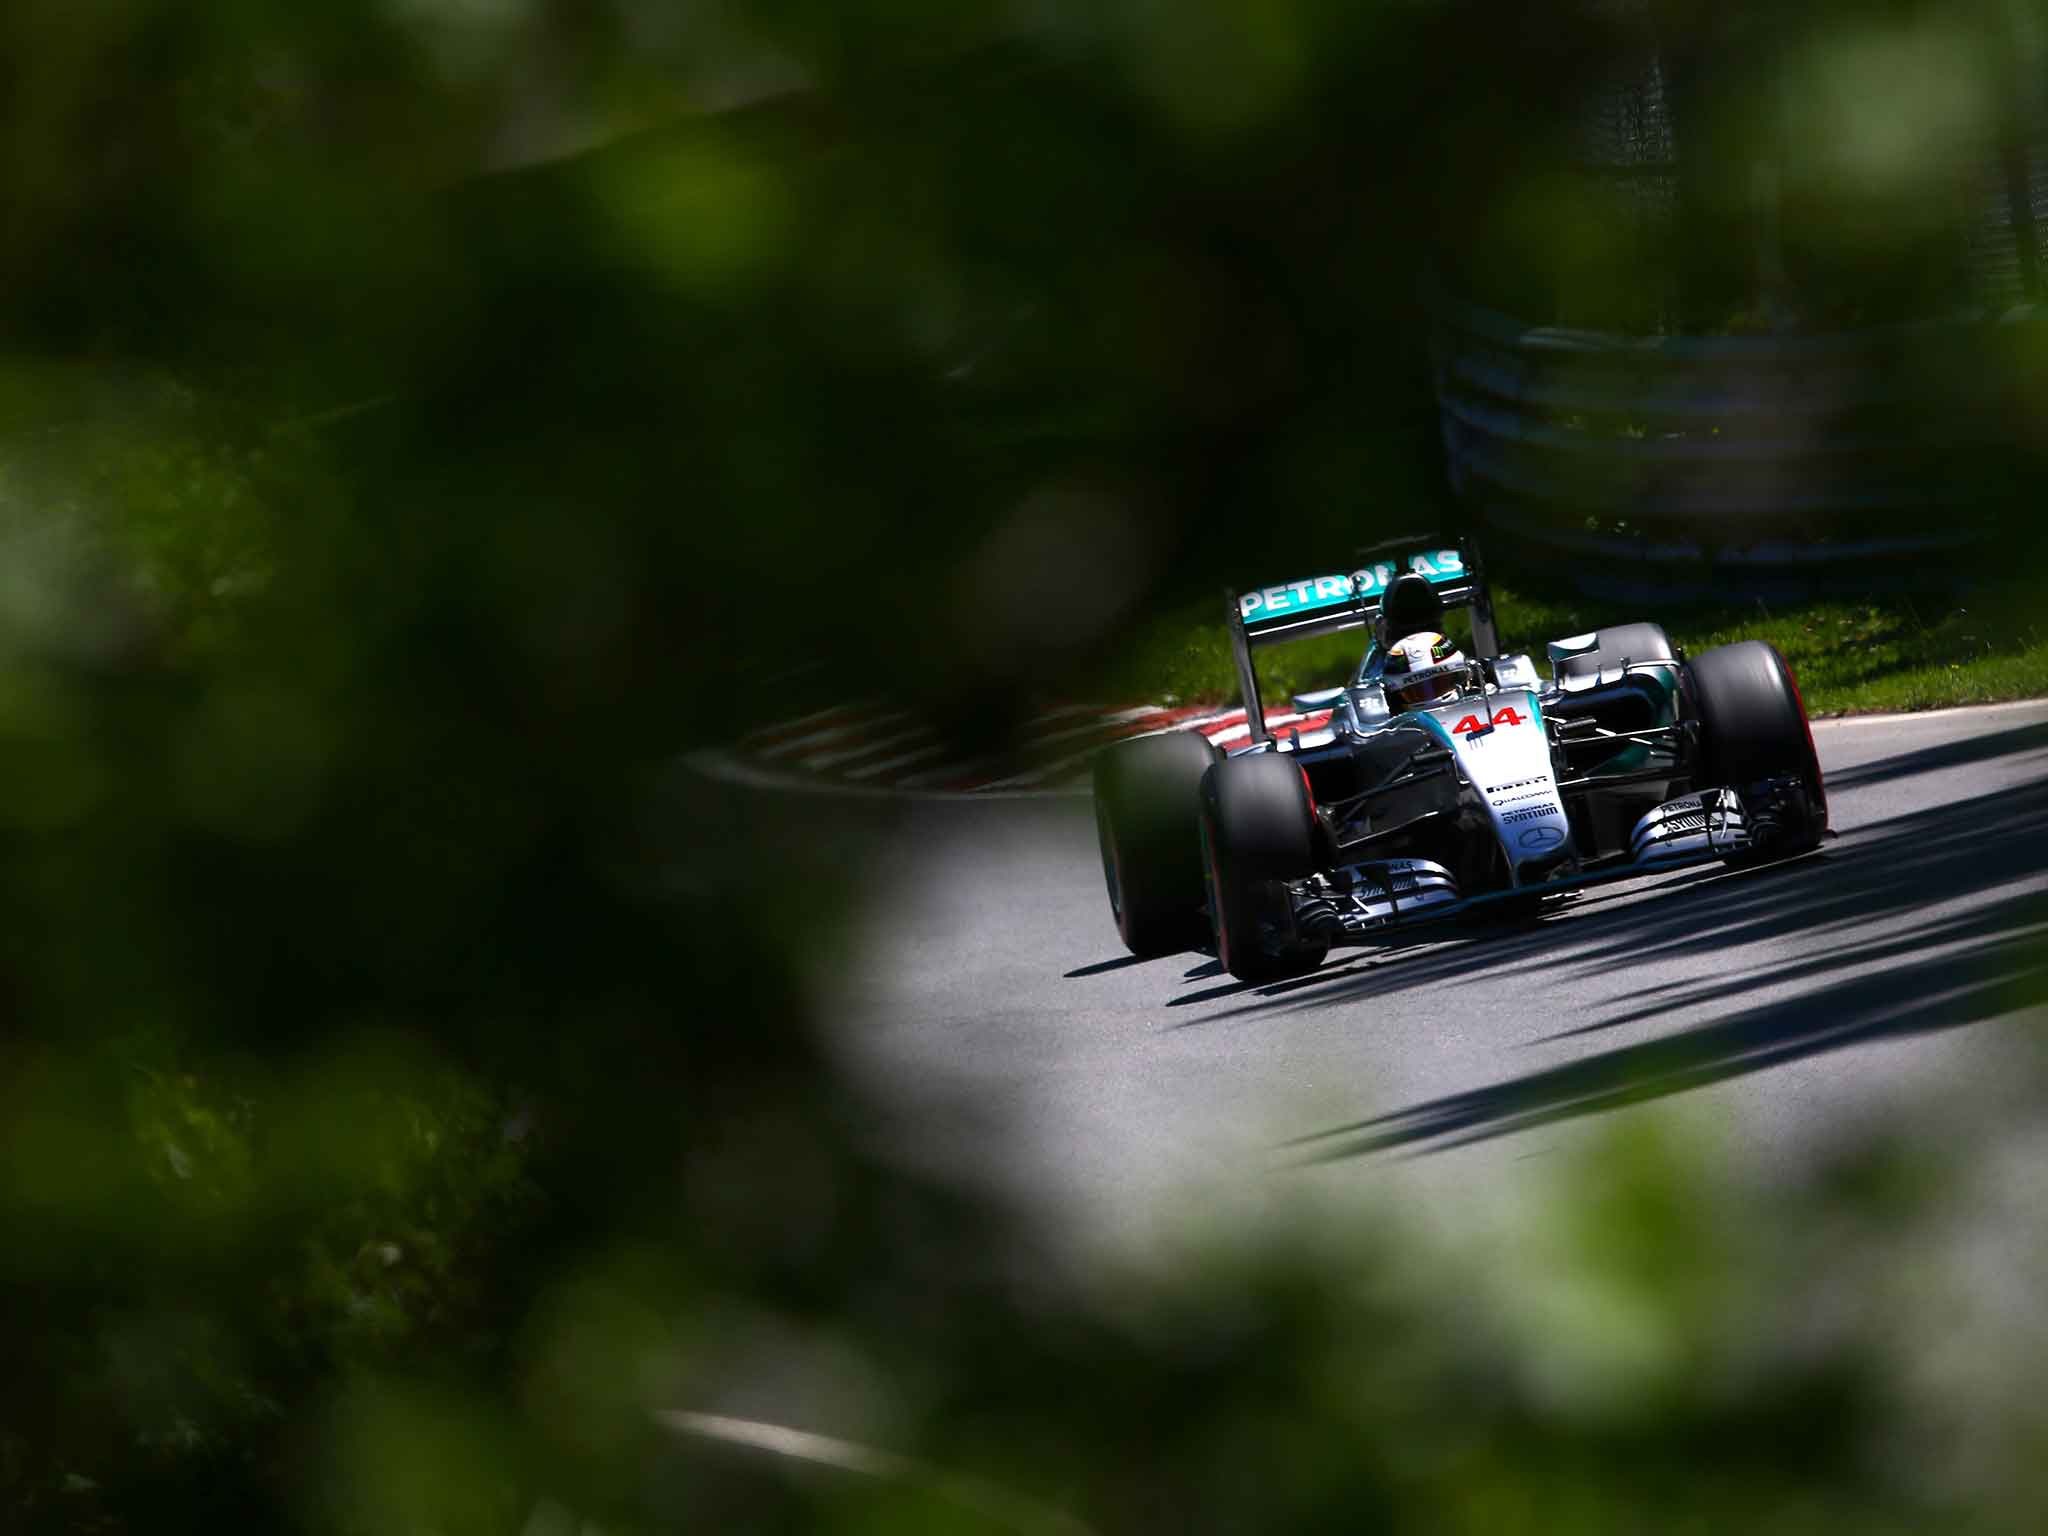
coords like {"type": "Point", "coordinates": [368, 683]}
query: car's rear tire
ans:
{"type": "Point", "coordinates": [1148, 824]}
{"type": "Point", "coordinates": [1618, 645]}
{"type": "Point", "coordinates": [1753, 728]}
{"type": "Point", "coordinates": [1633, 642]}
{"type": "Point", "coordinates": [1258, 830]}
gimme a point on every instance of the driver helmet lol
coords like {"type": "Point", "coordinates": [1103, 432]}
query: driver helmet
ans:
{"type": "Point", "coordinates": [1422, 669]}
{"type": "Point", "coordinates": [1412, 607]}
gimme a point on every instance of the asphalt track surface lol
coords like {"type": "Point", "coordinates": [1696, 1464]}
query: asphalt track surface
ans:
{"type": "Point", "coordinates": [1006, 1040]}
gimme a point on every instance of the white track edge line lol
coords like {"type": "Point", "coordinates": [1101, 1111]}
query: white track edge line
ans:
{"type": "Point", "coordinates": [834, 733]}
{"type": "Point", "coordinates": [1913, 716]}
{"type": "Point", "coordinates": [723, 766]}
{"type": "Point", "coordinates": [818, 761]}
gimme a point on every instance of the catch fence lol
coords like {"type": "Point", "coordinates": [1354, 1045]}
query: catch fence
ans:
{"type": "Point", "coordinates": [1762, 464]}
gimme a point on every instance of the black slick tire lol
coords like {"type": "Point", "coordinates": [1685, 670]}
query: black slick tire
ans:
{"type": "Point", "coordinates": [1258, 830]}
{"type": "Point", "coordinates": [1753, 728]}
{"type": "Point", "coordinates": [1148, 825]}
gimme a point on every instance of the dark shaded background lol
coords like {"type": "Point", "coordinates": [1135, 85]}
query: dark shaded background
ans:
{"type": "Point", "coordinates": [422, 422]}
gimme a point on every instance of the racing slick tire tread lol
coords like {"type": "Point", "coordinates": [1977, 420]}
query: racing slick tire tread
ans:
{"type": "Point", "coordinates": [1147, 822]}
{"type": "Point", "coordinates": [1753, 727]}
{"type": "Point", "coordinates": [1258, 829]}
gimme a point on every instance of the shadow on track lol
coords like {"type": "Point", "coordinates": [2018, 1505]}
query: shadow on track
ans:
{"type": "Point", "coordinates": [2015, 742]}
{"type": "Point", "coordinates": [1944, 972]}
{"type": "Point", "coordinates": [1103, 967]}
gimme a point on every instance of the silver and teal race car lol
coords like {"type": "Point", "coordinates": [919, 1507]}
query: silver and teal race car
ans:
{"type": "Point", "coordinates": [1493, 785]}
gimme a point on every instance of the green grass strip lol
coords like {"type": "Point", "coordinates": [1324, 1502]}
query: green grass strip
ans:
{"type": "Point", "coordinates": [1851, 657]}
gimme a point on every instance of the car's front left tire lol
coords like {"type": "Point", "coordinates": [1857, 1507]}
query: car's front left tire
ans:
{"type": "Point", "coordinates": [1258, 831]}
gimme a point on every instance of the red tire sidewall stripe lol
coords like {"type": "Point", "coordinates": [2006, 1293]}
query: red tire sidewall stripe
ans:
{"type": "Point", "coordinates": [1820, 787]}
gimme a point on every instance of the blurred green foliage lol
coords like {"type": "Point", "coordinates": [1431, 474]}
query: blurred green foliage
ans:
{"type": "Point", "coordinates": [418, 422]}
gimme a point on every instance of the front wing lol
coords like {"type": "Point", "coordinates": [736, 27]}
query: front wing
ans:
{"type": "Point", "coordinates": [1357, 902]}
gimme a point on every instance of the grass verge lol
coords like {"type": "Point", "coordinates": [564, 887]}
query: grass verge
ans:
{"type": "Point", "coordinates": [1851, 657]}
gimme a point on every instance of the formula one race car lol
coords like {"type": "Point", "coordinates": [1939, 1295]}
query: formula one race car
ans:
{"type": "Point", "coordinates": [1442, 783]}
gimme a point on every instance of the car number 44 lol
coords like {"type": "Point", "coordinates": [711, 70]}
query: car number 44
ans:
{"type": "Point", "coordinates": [1507, 716]}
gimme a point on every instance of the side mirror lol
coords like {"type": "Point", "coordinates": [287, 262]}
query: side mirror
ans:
{"type": "Point", "coordinates": [1516, 671]}
{"type": "Point", "coordinates": [1322, 698]}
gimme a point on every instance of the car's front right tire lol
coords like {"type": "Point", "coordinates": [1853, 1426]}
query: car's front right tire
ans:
{"type": "Point", "coordinates": [1258, 831]}
{"type": "Point", "coordinates": [1754, 729]}
{"type": "Point", "coordinates": [1146, 822]}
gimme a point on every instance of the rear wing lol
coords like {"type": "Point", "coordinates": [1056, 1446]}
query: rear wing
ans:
{"type": "Point", "coordinates": [1327, 605]}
